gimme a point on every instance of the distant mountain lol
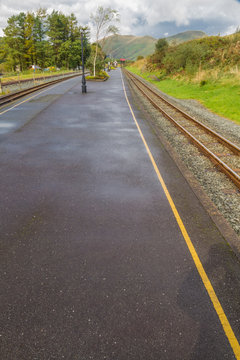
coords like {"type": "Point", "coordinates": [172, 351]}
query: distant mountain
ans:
{"type": "Point", "coordinates": [186, 36]}
{"type": "Point", "coordinates": [130, 47]}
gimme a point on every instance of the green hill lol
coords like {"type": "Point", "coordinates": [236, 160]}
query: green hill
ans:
{"type": "Point", "coordinates": [130, 47]}
{"type": "Point", "coordinates": [186, 36]}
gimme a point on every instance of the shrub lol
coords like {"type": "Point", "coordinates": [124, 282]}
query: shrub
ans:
{"type": "Point", "coordinates": [161, 45]}
{"type": "Point", "coordinates": [203, 82]}
{"type": "Point", "coordinates": [187, 56]}
{"type": "Point", "coordinates": [99, 64]}
{"type": "Point", "coordinates": [101, 75]}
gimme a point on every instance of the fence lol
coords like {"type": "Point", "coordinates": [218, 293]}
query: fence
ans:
{"type": "Point", "coordinates": [16, 85]}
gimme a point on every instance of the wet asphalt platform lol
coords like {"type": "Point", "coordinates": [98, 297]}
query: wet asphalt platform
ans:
{"type": "Point", "coordinates": [93, 264]}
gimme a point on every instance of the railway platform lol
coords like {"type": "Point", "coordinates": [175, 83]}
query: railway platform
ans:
{"type": "Point", "coordinates": [107, 253]}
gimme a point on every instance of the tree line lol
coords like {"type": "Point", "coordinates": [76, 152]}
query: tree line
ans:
{"type": "Point", "coordinates": [44, 40]}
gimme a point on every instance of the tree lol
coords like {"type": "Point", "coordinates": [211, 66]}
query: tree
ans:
{"type": "Point", "coordinates": [103, 24]}
{"type": "Point", "coordinates": [44, 40]}
{"type": "Point", "coordinates": [85, 32]}
{"type": "Point", "coordinates": [15, 40]}
{"type": "Point", "coordinates": [30, 50]}
{"type": "Point", "coordinates": [57, 32]}
{"type": "Point", "coordinates": [161, 45]}
{"type": "Point", "coordinates": [74, 30]}
{"type": "Point", "coordinates": [24, 39]}
{"type": "Point", "coordinates": [39, 33]}
{"type": "Point", "coordinates": [99, 62]}
{"type": "Point", "coordinates": [3, 50]}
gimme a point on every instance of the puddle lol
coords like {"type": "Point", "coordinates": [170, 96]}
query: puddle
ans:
{"type": "Point", "coordinates": [5, 127]}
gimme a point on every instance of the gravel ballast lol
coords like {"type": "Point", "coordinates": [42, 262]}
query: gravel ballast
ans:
{"type": "Point", "coordinates": [222, 192]}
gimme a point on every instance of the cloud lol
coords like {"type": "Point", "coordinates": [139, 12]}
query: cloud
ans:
{"type": "Point", "coordinates": [140, 18]}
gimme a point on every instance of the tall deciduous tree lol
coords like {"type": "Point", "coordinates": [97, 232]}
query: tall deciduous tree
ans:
{"type": "Point", "coordinates": [103, 24]}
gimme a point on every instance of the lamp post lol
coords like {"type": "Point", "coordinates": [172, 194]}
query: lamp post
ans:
{"type": "Point", "coordinates": [84, 86]}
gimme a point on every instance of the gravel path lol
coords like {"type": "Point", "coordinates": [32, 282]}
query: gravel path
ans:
{"type": "Point", "coordinates": [223, 193]}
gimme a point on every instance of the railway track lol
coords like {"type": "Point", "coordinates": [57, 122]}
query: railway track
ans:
{"type": "Point", "coordinates": [5, 99]}
{"type": "Point", "coordinates": [222, 152]}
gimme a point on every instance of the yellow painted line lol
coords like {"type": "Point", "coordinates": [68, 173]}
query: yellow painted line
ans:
{"type": "Point", "coordinates": [216, 303]}
{"type": "Point", "coordinates": [22, 102]}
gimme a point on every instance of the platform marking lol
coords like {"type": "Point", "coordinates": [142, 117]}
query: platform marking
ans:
{"type": "Point", "coordinates": [207, 283]}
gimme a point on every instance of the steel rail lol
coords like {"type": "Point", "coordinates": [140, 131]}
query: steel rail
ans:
{"type": "Point", "coordinates": [5, 99]}
{"type": "Point", "coordinates": [220, 138]}
{"type": "Point", "coordinates": [214, 158]}
{"type": "Point", "coordinates": [22, 81]}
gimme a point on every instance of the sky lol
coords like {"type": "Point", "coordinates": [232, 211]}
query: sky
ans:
{"type": "Point", "coordinates": [157, 18]}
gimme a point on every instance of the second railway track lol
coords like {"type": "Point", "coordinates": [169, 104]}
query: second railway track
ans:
{"type": "Point", "coordinates": [6, 99]}
{"type": "Point", "coordinates": [222, 152]}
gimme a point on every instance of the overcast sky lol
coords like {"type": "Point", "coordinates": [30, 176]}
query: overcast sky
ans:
{"type": "Point", "coordinates": [157, 18]}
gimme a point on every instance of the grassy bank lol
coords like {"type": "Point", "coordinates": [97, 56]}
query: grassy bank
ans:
{"type": "Point", "coordinates": [220, 94]}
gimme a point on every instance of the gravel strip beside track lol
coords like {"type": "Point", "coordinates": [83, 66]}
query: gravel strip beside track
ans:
{"type": "Point", "coordinates": [221, 191]}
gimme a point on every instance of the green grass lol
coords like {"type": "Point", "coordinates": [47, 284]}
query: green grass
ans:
{"type": "Point", "coordinates": [222, 96]}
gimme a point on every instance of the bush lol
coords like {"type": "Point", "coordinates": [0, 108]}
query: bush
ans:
{"type": "Point", "coordinates": [161, 45]}
{"type": "Point", "coordinates": [101, 75]}
{"type": "Point", "coordinates": [187, 56]}
{"type": "Point", "coordinates": [203, 82]}
{"type": "Point", "coordinates": [99, 64]}
{"type": "Point", "coordinates": [5, 67]}
{"type": "Point", "coordinates": [207, 53]}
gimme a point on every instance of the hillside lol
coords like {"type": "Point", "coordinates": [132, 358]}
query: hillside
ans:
{"type": "Point", "coordinates": [130, 47]}
{"type": "Point", "coordinates": [186, 36]}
